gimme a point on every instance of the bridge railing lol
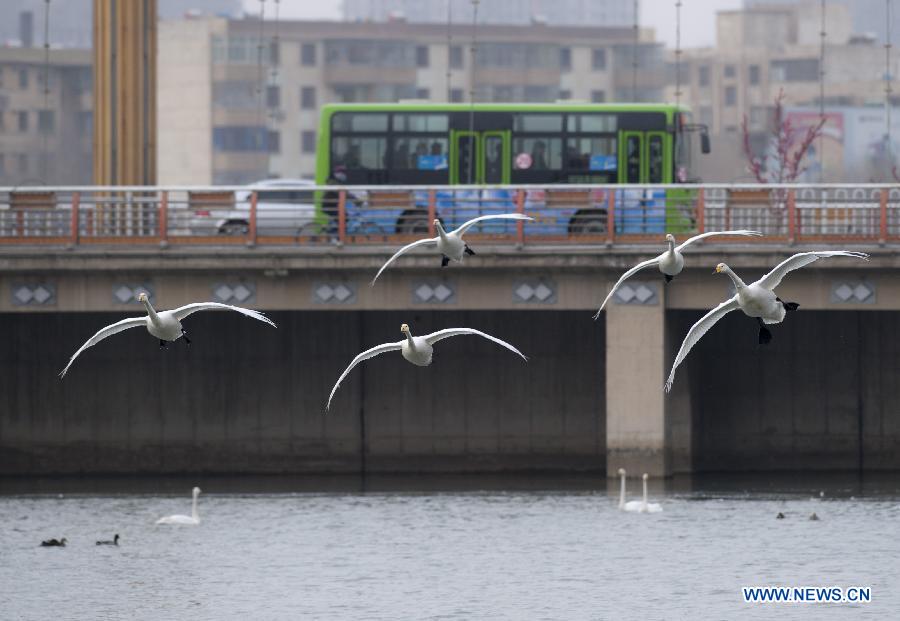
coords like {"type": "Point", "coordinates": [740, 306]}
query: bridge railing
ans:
{"type": "Point", "coordinates": [359, 215]}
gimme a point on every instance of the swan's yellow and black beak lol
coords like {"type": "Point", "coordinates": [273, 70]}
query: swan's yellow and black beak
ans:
{"type": "Point", "coordinates": [719, 269]}
{"type": "Point", "coordinates": [404, 328]}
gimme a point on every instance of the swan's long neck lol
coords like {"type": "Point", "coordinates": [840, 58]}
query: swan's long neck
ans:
{"type": "Point", "coordinates": [194, 508]}
{"type": "Point", "coordinates": [440, 230]}
{"type": "Point", "coordinates": [645, 492]}
{"type": "Point", "coordinates": [154, 318]}
{"type": "Point", "coordinates": [738, 283]}
{"type": "Point", "coordinates": [622, 492]}
{"type": "Point", "coordinates": [410, 341]}
{"type": "Point", "coordinates": [671, 244]}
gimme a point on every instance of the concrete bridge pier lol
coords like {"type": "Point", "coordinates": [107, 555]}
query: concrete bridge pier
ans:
{"type": "Point", "coordinates": [646, 430]}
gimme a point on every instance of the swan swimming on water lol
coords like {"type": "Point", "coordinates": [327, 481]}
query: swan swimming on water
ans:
{"type": "Point", "coordinates": [416, 349]}
{"type": "Point", "coordinates": [631, 505]}
{"type": "Point", "coordinates": [450, 245]}
{"type": "Point", "coordinates": [107, 542]}
{"type": "Point", "coordinates": [193, 518]}
{"type": "Point", "coordinates": [648, 507]}
{"type": "Point", "coordinates": [164, 325]}
{"type": "Point", "coordinates": [54, 543]}
{"type": "Point", "coordinates": [670, 262]}
{"type": "Point", "coordinates": [757, 300]}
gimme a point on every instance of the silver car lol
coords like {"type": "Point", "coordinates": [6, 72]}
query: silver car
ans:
{"type": "Point", "coordinates": [286, 207]}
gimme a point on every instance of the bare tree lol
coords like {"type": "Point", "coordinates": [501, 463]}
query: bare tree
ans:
{"type": "Point", "coordinates": [785, 161]}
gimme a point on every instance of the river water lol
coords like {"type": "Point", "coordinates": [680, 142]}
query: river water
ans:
{"type": "Point", "coordinates": [446, 548]}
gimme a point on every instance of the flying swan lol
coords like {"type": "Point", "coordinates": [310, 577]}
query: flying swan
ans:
{"type": "Point", "coordinates": [416, 349]}
{"type": "Point", "coordinates": [631, 505]}
{"type": "Point", "coordinates": [164, 325]}
{"type": "Point", "coordinates": [450, 245]}
{"type": "Point", "coordinates": [193, 518]}
{"type": "Point", "coordinates": [757, 300]}
{"type": "Point", "coordinates": [671, 262]}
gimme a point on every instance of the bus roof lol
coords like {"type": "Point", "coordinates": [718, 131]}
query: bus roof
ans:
{"type": "Point", "coordinates": [421, 106]}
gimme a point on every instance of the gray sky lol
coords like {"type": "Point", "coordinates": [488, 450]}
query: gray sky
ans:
{"type": "Point", "coordinates": [698, 17]}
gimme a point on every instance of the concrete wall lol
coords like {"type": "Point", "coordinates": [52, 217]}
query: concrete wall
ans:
{"type": "Point", "coordinates": [823, 395]}
{"type": "Point", "coordinates": [247, 398]}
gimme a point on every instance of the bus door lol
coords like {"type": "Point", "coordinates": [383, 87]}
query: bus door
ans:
{"type": "Point", "coordinates": [644, 158]}
{"type": "Point", "coordinates": [479, 157]}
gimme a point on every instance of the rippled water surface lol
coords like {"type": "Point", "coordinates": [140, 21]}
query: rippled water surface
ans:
{"type": "Point", "coordinates": [535, 549]}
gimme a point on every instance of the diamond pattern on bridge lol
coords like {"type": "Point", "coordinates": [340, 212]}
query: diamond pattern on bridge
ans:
{"type": "Point", "coordinates": [853, 292]}
{"type": "Point", "coordinates": [435, 292]}
{"type": "Point", "coordinates": [234, 292]}
{"type": "Point", "coordinates": [126, 293]}
{"type": "Point", "coordinates": [33, 294]}
{"type": "Point", "coordinates": [540, 291]}
{"type": "Point", "coordinates": [637, 293]}
{"type": "Point", "coordinates": [334, 293]}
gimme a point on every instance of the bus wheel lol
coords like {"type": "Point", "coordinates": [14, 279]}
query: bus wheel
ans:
{"type": "Point", "coordinates": [412, 223]}
{"type": "Point", "coordinates": [588, 223]}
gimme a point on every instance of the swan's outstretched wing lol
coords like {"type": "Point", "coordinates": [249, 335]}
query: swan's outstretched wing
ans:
{"type": "Point", "coordinates": [500, 216]}
{"type": "Point", "coordinates": [773, 278]}
{"type": "Point", "coordinates": [131, 322]}
{"type": "Point", "coordinates": [434, 337]}
{"type": "Point", "coordinates": [188, 309]}
{"type": "Point", "coordinates": [369, 353]}
{"type": "Point", "coordinates": [697, 238]}
{"type": "Point", "coordinates": [698, 330]}
{"type": "Point", "coordinates": [637, 268]}
{"type": "Point", "coordinates": [421, 242]}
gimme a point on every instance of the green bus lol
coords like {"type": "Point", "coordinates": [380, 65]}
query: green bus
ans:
{"type": "Point", "coordinates": [420, 143]}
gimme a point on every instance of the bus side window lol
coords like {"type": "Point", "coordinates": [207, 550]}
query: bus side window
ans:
{"type": "Point", "coordinates": [655, 159]}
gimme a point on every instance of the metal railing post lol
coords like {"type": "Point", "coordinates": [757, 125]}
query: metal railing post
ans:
{"type": "Point", "coordinates": [882, 222]}
{"type": "Point", "coordinates": [432, 211]}
{"type": "Point", "coordinates": [610, 217]}
{"type": "Point", "coordinates": [792, 216]}
{"type": "Point", "coordinates": [342, 216]}
{"type": "Point", "coordinates": [251, 228]}
{"type": "Point", "coordinates": [701, 211]}
{"type": "Point", "coordinates": [73, 232]}
{"type": "Point", "coordinates": [520, 209]}
{"type": "Point", "coordinates": [164, 218]}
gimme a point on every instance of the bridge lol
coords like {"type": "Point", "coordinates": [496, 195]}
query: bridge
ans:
{"type": "Point", "coordinates": [250, 399]}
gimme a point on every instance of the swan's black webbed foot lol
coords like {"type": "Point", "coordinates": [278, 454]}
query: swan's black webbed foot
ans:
{"type": "Point", "coordinates": [444, 260]}
{"type": "Point", "coordinates": [162, 344]}
{"type": "Point", "coordinates": [668, 278]}
{"type": "Point", "coordinates": [765, 337]}
{"type": "Point", "coordinates": [788, 306]}
{"type": "Point", "coordinates": [185, 336]}
{"type": "Point", "coordinates": [469, 251]}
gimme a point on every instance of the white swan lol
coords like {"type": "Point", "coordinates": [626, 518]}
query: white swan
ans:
{"type": "Point", "coordinates": [631, 505]}
{"type": "Point", "coordinates": [193, 518]}
{"type": "Point", "coordinates": [416, 349]}
{"type": "Point", "coordinates": [757, 300]}
{"type": "Point", "coordinates": [164, 325]}
{"type": "Point", "coordinates": [670, 262]}
{"type": "Point", "coordinates": [648, 507]}
{"type": "Point", "coordinates": [450, 245]}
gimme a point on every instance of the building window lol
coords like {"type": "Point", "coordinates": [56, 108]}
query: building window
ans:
{"type": "Point", "coordinates": [2, 164]}
{"type": "Point", "coordinates": [598, 96]}
{"type": "Point", "coordinates": [730, 95]}
{"type": "Point", "coordinates": [2, 120]}
{"type": "Point", "coordinates": [274, 53]}
{"type": "Point", "coordinates": [239, 138]}
{"type": "Point", "coordinates": [422, 93]}
{"type": "Point", "coordinates": [754, 74]}
{"type": "Point", "coordinates": [308, 141]}
{"type": "Point", "coordinates": [456, 57]}
{"type": "Point", "coordinates": [22, 160]}
{"type": "Point", "coordinates": [308, 54]}
{"type": "Point", "coordinates": [23, 121]}
{"type": "Point", "coordinates": [23, 78]}
{"type": "Point", "coordinates": [421, 56]}
{"type": "Point", "coordinates": [794, 70]}
{"type": "Point", "coordinates": [456, 95]}
{"type": "Point", "coordinates": [46, 121]}
{"type": "Point", "coordinates": [565, 93]}
{"type": "Point", "coordinates": [599, 58]}
{"type": "Point", "coordinates": [274, 142]}
{"type": "Point", "coordinates": [273, 96]}
{"type": "Point", "coordinates": [307, 97]}
{"type": "Point", "coordinates": [703, 75]}
{"type": "Point", "coordinates": [729, 71]}
{"type": "Point", "coordinates": [565, 58]}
